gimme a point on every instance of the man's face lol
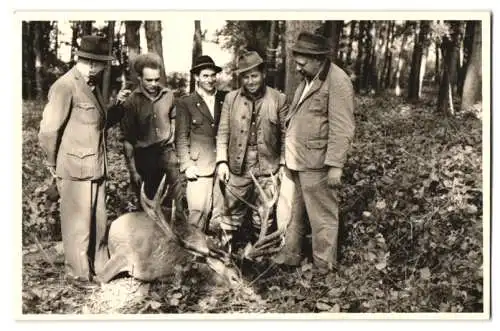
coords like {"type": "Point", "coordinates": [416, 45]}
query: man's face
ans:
{"type": "Point", "coordinates": [206, 80]}
{"type": "Point", "coordinates": [90, 69]}
{"type": "Point", "coordinates": [307, 66]}
{"type": "Point", "coordinates": [252, 80]}
{"type": "Point", "coordinates": [150, 80]}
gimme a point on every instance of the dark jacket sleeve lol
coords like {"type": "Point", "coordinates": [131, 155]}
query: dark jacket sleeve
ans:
{"type": "Point", "coordinates": [182, 133]}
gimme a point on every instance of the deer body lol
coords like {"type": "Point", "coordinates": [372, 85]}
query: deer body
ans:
{"type": "Point", "coordinates": [137, 245]}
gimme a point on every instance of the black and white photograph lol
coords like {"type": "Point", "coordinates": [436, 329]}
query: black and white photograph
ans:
{"type": "Point", "coordinates": [309, 165]}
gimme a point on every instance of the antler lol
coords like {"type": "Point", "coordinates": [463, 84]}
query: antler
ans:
{"type": "Point", "coordinates": [188, 236]}
{"type": "Point", "coordinates": [266, 243]}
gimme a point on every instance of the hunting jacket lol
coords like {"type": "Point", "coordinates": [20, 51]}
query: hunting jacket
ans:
{"type": "Point", "coordinates": [232, 137]}
{"type": "Point", "coordinates": [320, 128]}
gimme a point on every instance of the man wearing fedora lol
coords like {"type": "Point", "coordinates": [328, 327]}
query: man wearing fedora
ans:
{"type": "Point", "coordinates": [320, 129]}
{"type": "Point", "coordinates": [197, 121]}
{"type": "Point", "coordinates": [148, 129]}
{"type": "Point", "coordinates": [72, 135]}
{"type": "Point", "coordinates": [250, 139]}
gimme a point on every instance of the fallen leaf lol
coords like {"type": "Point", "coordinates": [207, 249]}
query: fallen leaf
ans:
{"type": "Point", "coordinates": [323, 306]}
{"type": "Point", "coordinates": [155, 305]}
{"type": "Point", "coordinates": [380, 204]}
{"type": "Point", "coordinates": [307, 266]}
{"type": "Point", "coordinates": [381, 265]}
{"type": "Point", "coordinates": [335, 308]}
{"type": "Point", "coordinates": [425, 273]}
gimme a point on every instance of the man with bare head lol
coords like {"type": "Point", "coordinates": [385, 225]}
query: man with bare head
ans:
{"type": "Point", "coordinates": [148, 128]}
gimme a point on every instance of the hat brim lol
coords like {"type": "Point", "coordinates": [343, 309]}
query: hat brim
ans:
{"type": "Point", "coordinates": [200, 67]}
{"type": "Point", "coordinates": [255, 65]}
{"type": "Point", "coordinates": [96, 57]}
{"type": "Point", "coordinates": [301, 50]}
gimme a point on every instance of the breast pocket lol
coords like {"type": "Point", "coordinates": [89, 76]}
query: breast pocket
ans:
{"type": "Point", "coordinates": [197, 124]}
{"type": "Point", "coordinates": [81, 162]}
{"type": "Point", "coordinates": [86, 113]}
{"type": "Point", "coordinates": [319, 102]}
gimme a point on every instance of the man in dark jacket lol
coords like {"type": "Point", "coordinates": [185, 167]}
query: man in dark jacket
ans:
{"type": "Point", "coordinates": [319, 134]}
{"type": "Point", "coordinates": [197, 121]}
{"type": "Point", "coordinates": [250, 139]}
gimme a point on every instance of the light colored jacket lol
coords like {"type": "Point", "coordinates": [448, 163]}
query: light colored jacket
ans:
{"type": "Point", "coordinates": [72, 130]}
{"type": "Point", "coordinates": [321, 126]}
{"type": "Point", "coordinates": [234, 126]}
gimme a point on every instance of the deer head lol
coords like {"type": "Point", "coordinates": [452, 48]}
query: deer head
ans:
{"type": "Point", "coordinates": [189, 237]}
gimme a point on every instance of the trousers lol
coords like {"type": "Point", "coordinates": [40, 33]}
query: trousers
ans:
{"type": "Point", "coordinates": [310, 196]}
{"type": "Point", "coordinates": [152, 163]}
{"type": "Point", "coordinates": [83, 226]}
{"type": "Point", "coordinates": [204, 201]}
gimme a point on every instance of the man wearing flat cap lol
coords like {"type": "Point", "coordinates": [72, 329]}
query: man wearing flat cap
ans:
{"type": "Point", "coordinates": [320, 129]}
{"type": "Point", "coordinates": [197, 121]}
{"type": "Point", "coordinates": [72, 135]}
{"type": "Point", "coordinates": [250, 139]}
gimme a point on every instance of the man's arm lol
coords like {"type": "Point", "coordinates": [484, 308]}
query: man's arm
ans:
{"type": "Point", "coordinates": [223, 131]}
{"type": "Point", "coordinates": [54, 118]}
{"type": "Point", "coordinates": [282, 114]}
{"type": "Point", "coordinates": [340, 121]}
{"type": "Point", "coordinates": [182, 132]}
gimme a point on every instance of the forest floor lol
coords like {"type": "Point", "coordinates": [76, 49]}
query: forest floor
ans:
{"type": "Point", "coordinates": [411, 239]}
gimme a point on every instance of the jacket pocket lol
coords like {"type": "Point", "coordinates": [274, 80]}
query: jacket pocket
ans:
{"type": "Point", "coordinates": [81, 162]}
{"type": "Point", "coordinates": [86, 113]}
{"type": "Point", "coordinates": [316, 144]}
{"type": "Point", "coordinates": [194, 154]}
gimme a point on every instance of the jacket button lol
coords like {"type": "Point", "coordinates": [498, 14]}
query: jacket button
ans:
{"type": "Point", "coordinates": [212, 125]}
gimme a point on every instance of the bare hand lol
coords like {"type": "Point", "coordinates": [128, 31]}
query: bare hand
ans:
{"type": "Point", "coordinates": [135, 179]}
{"type": "Point", "coordinates": [122, 95]}
{"type": "Point", "coordinates": [223, 172]}
{"type": "Point", "coordinates": [192, 172]}
{"type": "Point", "coordinates": [334, 175]}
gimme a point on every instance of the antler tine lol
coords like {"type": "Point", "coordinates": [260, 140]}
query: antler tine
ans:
{"type": "Point", "coordinates": [151, 208]}
{"type": "Point", "coordinates": [274, 199]}
{"type": "Point", "coordinates": [259, 188]}
{"type": "Point", "coordinates": [159, 196]}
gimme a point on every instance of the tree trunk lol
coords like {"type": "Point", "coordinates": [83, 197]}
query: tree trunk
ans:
{"type": "Point", "coordinates": [465, 53]}
{"type": "Point", "coordinates": [133, 41]}
{"type": "Point", "coordinates": [400, 64]}
{"type": "Point", "coordinates": [437, 74]}
{"type": "Point", "coordinates": [367, 63]}
{"type": "Point", "coordinates": [419, 61]}
{"type": "Point", "coordinates": [28, 60]}
{"type": "Point", "coordinates": [154, 42]}
{"type": "Point", "coordinates": [388, 57]}
{"type": "Point", "coordinates": [107, 72]}
{"type": "Point", "coordinates": [272, 49]}
{"type": "Point", "coordinates": [359, 59]}
{"type": "Point", "coordinates": [37, 45]}
{"type": "Point", "coordinates": [196, 51]}
{"type": "Point", "coordinates": [293, 29]}
{"type": "Point", "coordinates": [473, 79]}
{"type": "Point", "coordinates": [450, 57]}
{"type": "Point", "coordinates": [380, 54]}
{"type": "Point", "coordinates": [86, 27]}
{"type": "Point", "coordinates": [352, 34]}
{"type": "Point", "coordinates": [332, 31]}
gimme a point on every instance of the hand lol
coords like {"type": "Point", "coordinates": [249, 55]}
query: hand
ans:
{"type": "Point", "coordinates": [52, 192]}
{"type": "Point", "coordinates": [122, 95]}
{"type": "Point", "coordinates": [223, 172]}
{"type": "Point", "coordinates": [192, 172]}
{"type": "Point", "coordinates": [135, 179]}
{"type": "Point", "coordinates": [334, 175]}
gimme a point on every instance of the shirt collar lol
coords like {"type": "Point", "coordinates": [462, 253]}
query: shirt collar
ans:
{"type": "Point", "coordinates": [162, 91]}
{"type": "Point", "coordinates": [258, 95]}
{"type": "Point", "coordinates": [204, 95]}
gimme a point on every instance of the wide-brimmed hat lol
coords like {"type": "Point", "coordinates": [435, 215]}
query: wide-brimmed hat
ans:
{"type": "Point", "coordinates": [204, 62]}
{"type": "Point", "coordinates": [248, 60]}
{"type": "Point", "coordinates": [310, 43]}
{"type": "Point", "coordinates": [94, 48]}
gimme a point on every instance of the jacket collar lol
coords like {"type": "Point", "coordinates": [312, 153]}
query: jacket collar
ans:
{"type": "Point", "coordinates": [253, 97]}
{"type": "Point", "coordinates": [140, 90]}
{"type": "Point", "coordinates": [96, 98]}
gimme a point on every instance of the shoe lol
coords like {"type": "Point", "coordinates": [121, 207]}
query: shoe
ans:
{"type": "Point", "coordinates": [83, 284]}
